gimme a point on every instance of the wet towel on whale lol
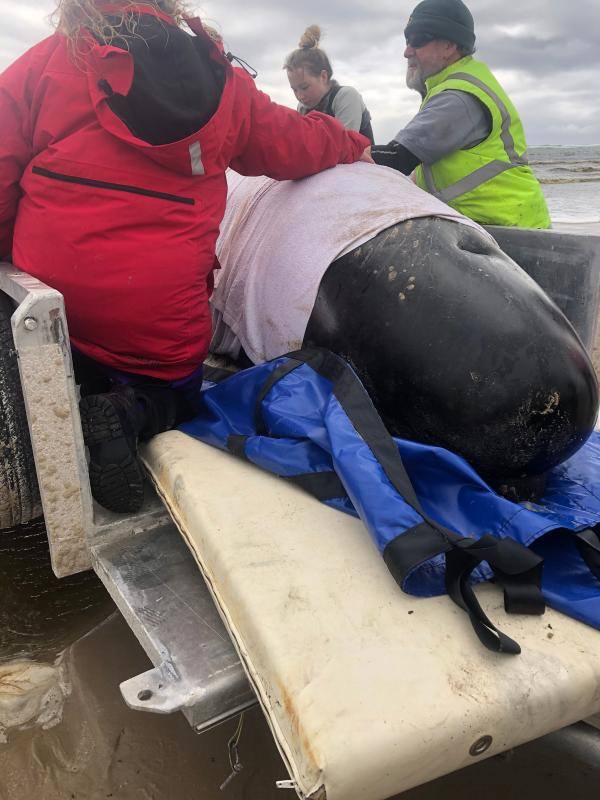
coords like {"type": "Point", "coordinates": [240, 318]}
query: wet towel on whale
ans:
{"type": "Point", "coordinates": [278, 238]}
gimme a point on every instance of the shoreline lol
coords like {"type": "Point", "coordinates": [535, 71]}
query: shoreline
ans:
{"type": "Point", "coordinates": [590, 228]}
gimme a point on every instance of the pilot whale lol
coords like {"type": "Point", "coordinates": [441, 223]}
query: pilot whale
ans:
{"type": "Point", "coordinates": [456, 344]}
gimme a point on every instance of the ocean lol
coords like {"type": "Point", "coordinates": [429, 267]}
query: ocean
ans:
{"type": "Point", "coordinates": [570, 178]}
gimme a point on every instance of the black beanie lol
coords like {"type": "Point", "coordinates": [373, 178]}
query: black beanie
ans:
{"type": "Point", "coordinates": [447, 19]}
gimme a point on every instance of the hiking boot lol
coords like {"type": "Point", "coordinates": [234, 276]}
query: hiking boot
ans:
{"type": "Point", "coordinates": [112, 424]}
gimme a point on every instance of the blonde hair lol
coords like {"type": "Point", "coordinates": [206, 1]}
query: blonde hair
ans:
{"type": "Point", "coordinates": [310, 38]}
{"type": "Point", "coordinates": [309, 55]}
{"type": "Point", "coordinates": [213, 33]}
{"type": "Point", "coordinates": [71, 17]}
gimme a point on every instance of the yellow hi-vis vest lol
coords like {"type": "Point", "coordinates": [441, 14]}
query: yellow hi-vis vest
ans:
{"type": "Point", "coordinates": [491, 182]}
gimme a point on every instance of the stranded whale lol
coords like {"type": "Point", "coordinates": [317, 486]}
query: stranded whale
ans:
{"type": "Point", "coordinates": [456, 344]}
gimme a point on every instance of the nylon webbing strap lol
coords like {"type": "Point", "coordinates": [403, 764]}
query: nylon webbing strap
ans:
{"type": "Point", "coordinates": [588, 543]}
{"type": "Point", "coordinates": [278, 373]}
{"type": "Point", "coordinates": [236, 445]}
{"type": "Point", "coordinates": [458, 571]}
{"type": "Point", "coordinates": [517, 569]}
{"type": "Point", "coordinates": [322, 485]}
{"type": "Point", "coordinates": [517, 572]}
{"type": "Point", "coordinates": [331, 95]}
{"type": "Point", "coordinates": [413, 547]}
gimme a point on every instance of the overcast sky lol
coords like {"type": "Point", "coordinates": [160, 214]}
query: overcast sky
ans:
{"type": "Point", "coordinates": [546, 53]}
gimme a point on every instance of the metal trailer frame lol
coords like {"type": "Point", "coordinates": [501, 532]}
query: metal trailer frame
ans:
{"type": "Point", "coordinates": [141, 559]}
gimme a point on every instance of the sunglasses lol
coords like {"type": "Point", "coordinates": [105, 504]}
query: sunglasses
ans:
{"type": "Point", "coordinates": [417, 40]}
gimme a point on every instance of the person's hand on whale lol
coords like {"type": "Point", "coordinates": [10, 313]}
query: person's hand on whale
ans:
{"type": "Point", "coordinates": [366, 156]}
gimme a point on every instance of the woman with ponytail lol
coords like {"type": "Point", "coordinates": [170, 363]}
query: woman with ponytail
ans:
{"type": "Point", "coordinates": [311, 79]}
{"type": "Point", "coordinates": [115, 134]}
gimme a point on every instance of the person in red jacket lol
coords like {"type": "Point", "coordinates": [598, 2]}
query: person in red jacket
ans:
{"type": "Point", "coordinates": [115, 134]}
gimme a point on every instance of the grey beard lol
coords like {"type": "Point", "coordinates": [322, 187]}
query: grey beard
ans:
{"type": "Point", "coordinates": [417, 83]}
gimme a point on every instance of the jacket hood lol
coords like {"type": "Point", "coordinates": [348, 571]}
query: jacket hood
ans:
{"type": "Point", "coordinates": [159, 89]}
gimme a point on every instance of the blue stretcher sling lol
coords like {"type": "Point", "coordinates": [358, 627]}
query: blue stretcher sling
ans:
{"type": "Point", "coordinates": [439, 527]}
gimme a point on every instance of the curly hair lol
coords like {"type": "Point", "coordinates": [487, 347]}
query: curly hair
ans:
{"type": "Point", "coordinates": [72, 16]}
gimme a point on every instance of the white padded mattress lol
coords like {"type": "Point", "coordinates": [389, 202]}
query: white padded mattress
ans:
{"type": "Point", "coordinates": [368, 691]}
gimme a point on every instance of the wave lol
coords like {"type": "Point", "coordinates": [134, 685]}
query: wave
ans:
{"type": "Point", "coordinates": [564, 146]}
{"type": "Point", "coordinates": [566, 164]}
{"type": "Point", "coordinates": [569, 180]}
{"type": "Point", "coordinates": [568, 219]}
{"type": "Point", "coordinates": [577, 169]}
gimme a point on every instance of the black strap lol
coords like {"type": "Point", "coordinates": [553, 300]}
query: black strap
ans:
{"type": "Point", "coordinates": [588, 543]}
{"type": "Point", "coordinates": [518, 572]}
{"type": "Point", "coordinates": [217, 374]}
{"type": "Point", "coordinates": [458, 572]}
{"type": "Point", "coordinates": [359, 408]}
{"type": "Point", "coordinates": [322, 485]}
{"type": "Point", "coordinates": [331, 94]}
{"type": "Point", "coordinates": [516, 568]}
{"type": "Point", "coordinates": [414, 546]}
{"type": "Point", "coordinates": [278, 373]}
{"type": "Point", "coordinates": [236, 445]}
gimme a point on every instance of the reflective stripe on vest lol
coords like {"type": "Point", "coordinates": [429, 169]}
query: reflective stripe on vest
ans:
{"type": "Point", "coordinates": [491, 182]}
{"type": "Point", "coordinates": [488, 171]}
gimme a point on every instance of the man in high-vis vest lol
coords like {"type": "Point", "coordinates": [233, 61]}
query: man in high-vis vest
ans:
{"type": "Point", "coordinates": [466, 144]}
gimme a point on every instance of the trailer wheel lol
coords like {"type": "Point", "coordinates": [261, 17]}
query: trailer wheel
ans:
{"type": "Point", "coordinates": [19, 493]}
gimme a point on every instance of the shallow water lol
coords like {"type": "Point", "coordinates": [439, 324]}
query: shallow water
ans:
{"type": "Point", "coordinates": [40, 615]}
{"type": "Point", "coordinates": [63, 652]}
{"type": "Point", "coordinates": [66, 637]}
{"type": "Point", "coordinates": [102, 749]}
{"type": "Point", "coordinates": [570, 178]}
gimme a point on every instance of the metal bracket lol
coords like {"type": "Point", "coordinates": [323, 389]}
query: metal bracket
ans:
{"type": "Point", "coordinates": [161, 690]}
{"type": "Point", "coordinates": [73, 521]}
{"type": "Point", "coordinates": [42, 343]}
{"type": "Point", "coordinates": [141, 558]}
{"type": "Point", "coordinates": [285, 785]}
{"type": "Point", "coordinates": [158, 588]}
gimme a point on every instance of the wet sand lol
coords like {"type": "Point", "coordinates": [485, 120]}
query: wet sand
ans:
{"type": "Point", "coordinates": [93, 747]}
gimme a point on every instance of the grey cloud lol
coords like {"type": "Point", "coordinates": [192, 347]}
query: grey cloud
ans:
{"type": "Point", "coordinates": [546, 51]}
{"type": "Point", "coordinates": [554, 51]}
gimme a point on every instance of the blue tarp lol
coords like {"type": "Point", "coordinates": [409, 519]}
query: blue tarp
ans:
{"type": "Point", "coordinates": [298, 421]}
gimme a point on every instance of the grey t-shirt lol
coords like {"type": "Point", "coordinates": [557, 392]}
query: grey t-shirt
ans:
{"type": "Point", "coordinates": [452, 120]}
{"type": "Point", "coordinates": [348, 106]}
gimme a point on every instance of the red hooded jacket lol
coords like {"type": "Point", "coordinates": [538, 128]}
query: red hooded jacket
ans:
{"type": "Point", "coordinates": [124, 229]}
